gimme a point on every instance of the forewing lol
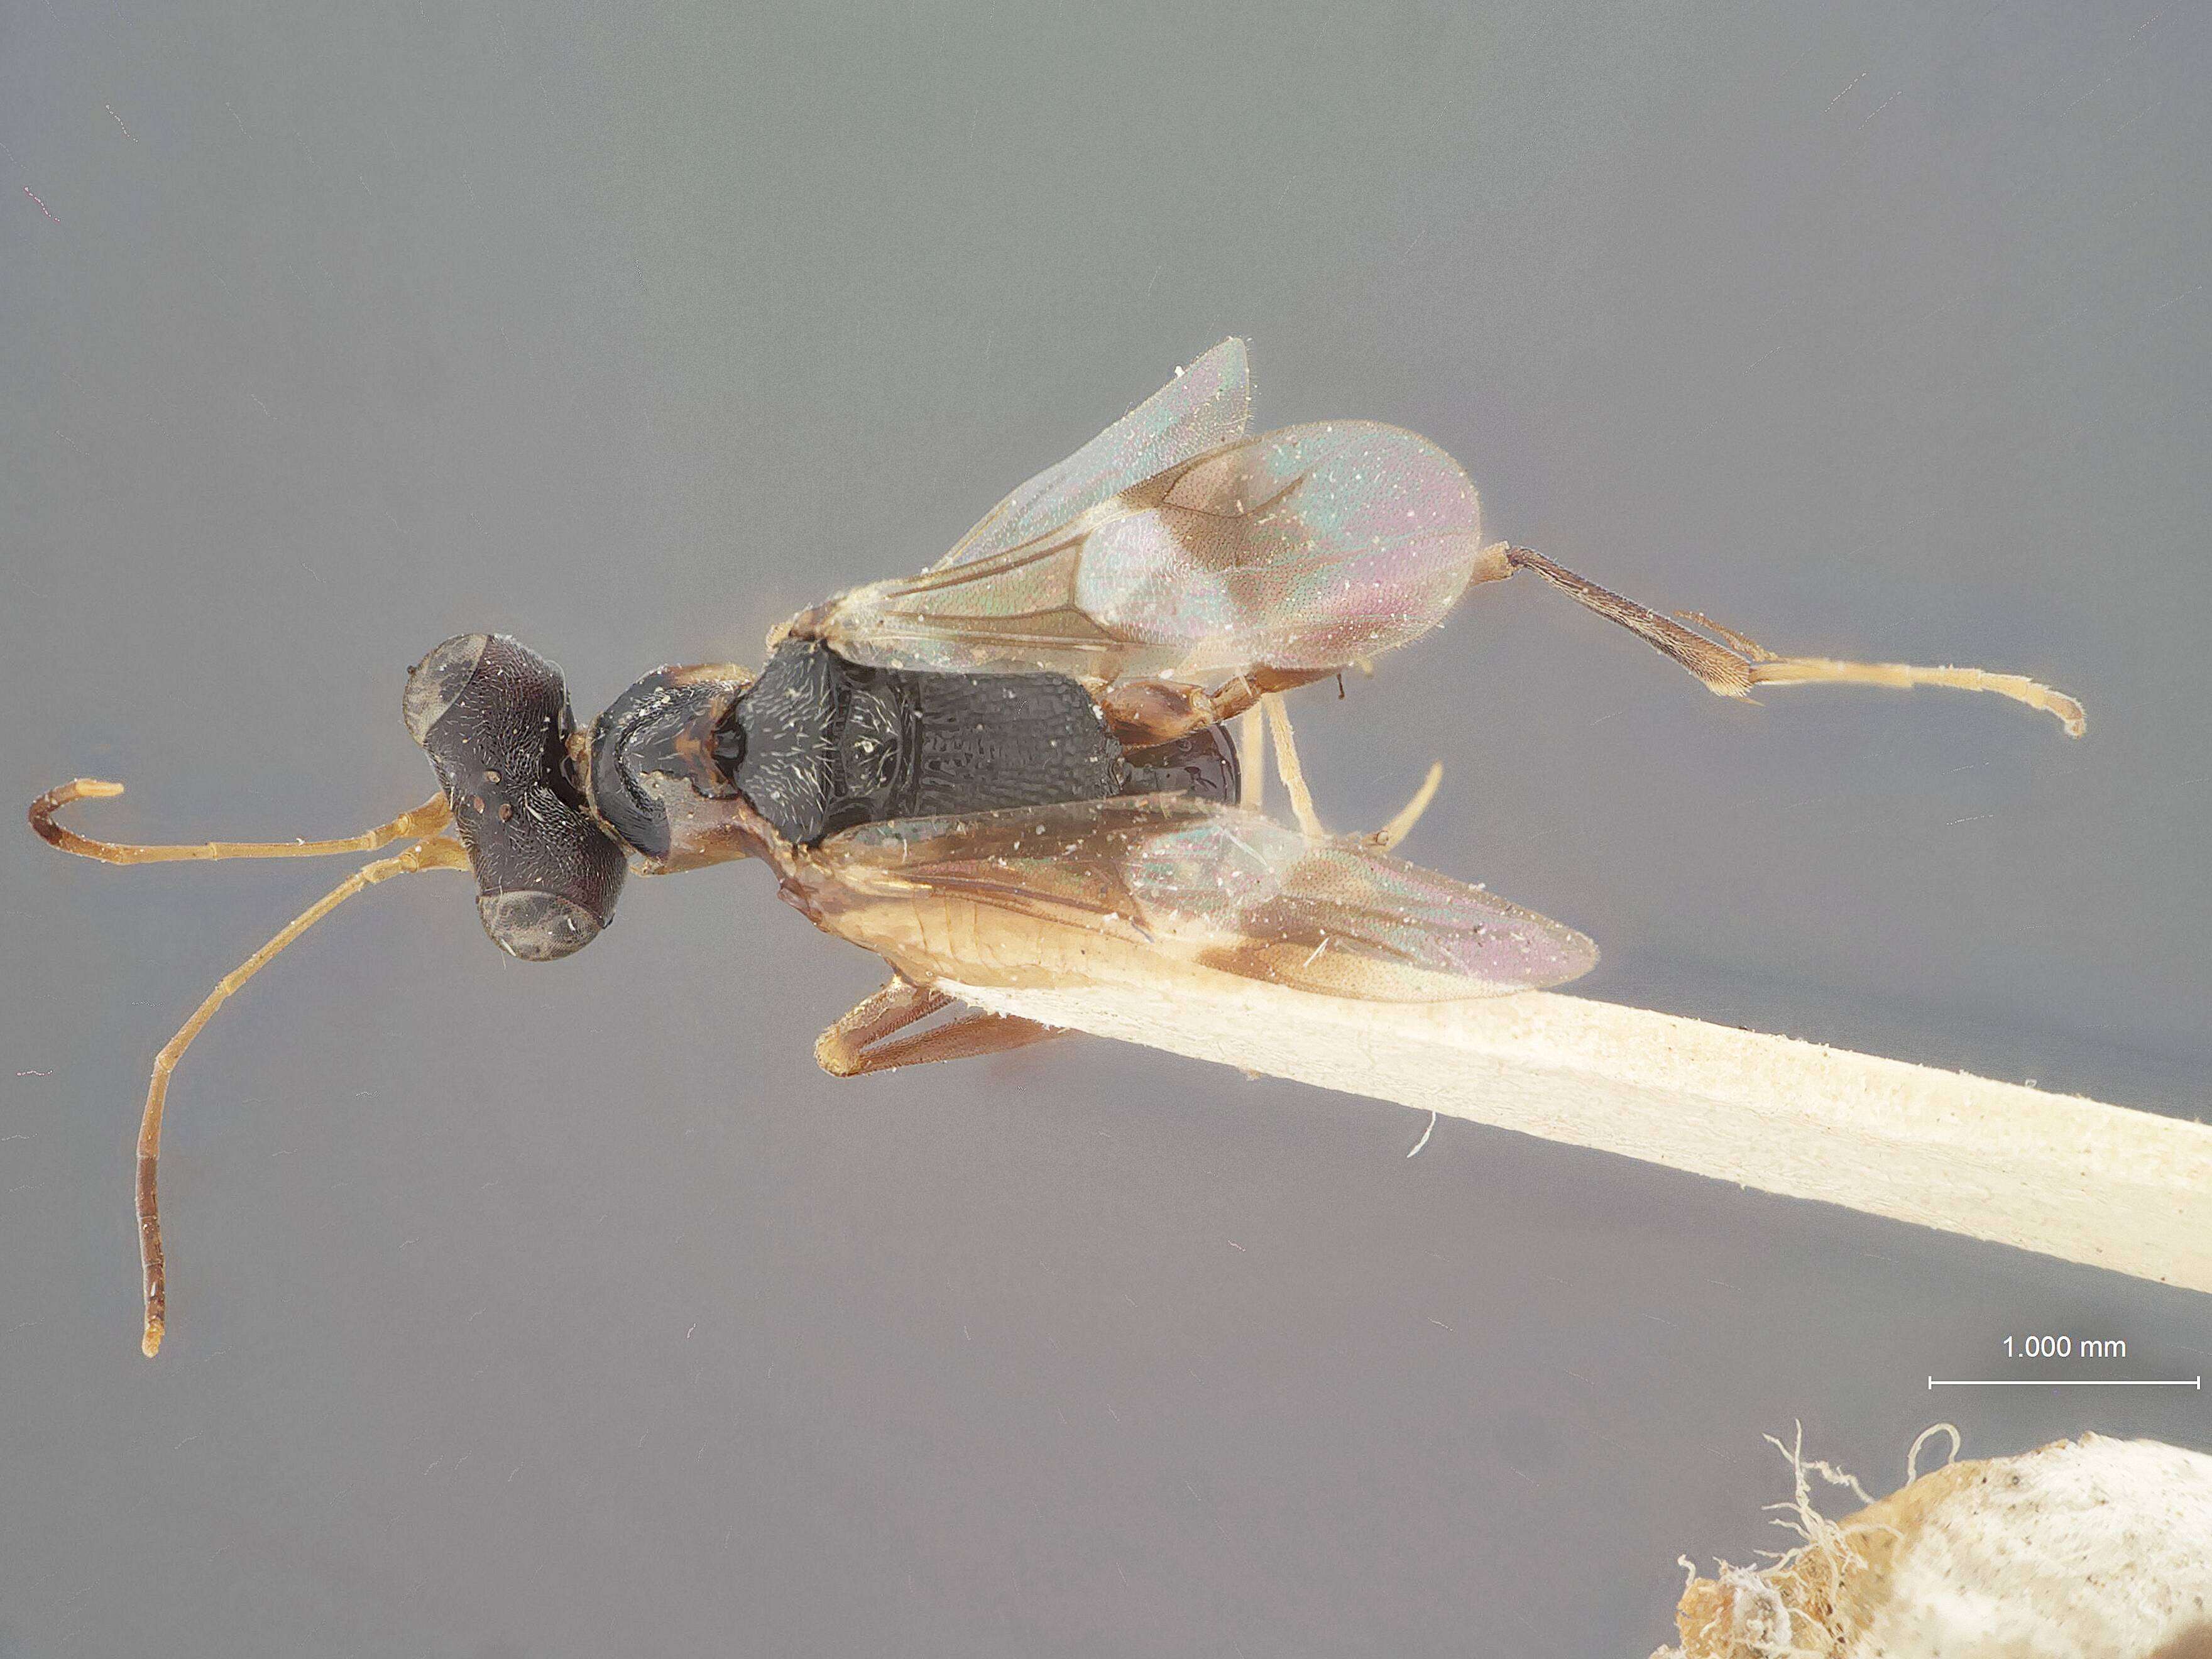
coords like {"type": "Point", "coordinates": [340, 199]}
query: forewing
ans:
{"type": "Point", "coordinates": [1305, 549]}
{"type": "Point", "coordinates": [1204, 408]}
{"type": "Point", "coordinates": [1172, 881]}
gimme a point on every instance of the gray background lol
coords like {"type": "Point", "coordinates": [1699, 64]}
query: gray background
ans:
{"type": "Point", "coordinates": [570, 1310]}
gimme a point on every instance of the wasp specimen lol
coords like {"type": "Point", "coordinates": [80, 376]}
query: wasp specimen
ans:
{"type": "Point", "coordinates": [1017, 765]}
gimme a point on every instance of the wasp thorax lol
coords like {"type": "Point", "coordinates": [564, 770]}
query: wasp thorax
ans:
{"type": "Point", "coordinates": [494, 717]}
{"type": "Point", "coordinates": [661, 758]}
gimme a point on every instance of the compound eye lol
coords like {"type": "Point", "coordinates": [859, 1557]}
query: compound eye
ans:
{"type": "Point", "coordinates": [436, 682]}
{"type": "Point", "coordinates": [532, 925]}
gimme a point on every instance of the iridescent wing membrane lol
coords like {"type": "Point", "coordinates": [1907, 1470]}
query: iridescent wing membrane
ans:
{"type": "Point", "coordinates": [1169, 882]}
{"type": "Point", "coordinates": [1173, 546]}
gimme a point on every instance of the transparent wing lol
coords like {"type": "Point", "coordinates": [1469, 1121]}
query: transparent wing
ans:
{"type": "Point", "coordinates": [1306, 549]}
{"type": "Point", "coordinates": [1169, 883]}
{"type": "Point", "coordinates": [1204, 408]}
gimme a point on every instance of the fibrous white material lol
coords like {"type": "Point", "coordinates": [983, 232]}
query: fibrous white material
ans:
{"type": "Point", "coordinates": [2086, 1549]}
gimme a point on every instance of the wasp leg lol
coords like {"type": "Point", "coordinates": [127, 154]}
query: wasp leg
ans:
{"type": "Point", "coordinates": [1750, 647]}
{"type": "Point", "coordinates": [855, 1045]}
{"type": "Point", "coordinates": [1252, 743]}
{"type": "Point", "coordinates": [1293, 774]}
{"type": "Point", "coordinates": [1732, 670]}
{"type": "Point", "coordinates": [840, 1050]}
{"type": "Point", "coordinates": [1143, 712]}
{"type": "Point", "coordinates": [1409, 815]}
{"type": "Point", "coordinates": [968, 1038]}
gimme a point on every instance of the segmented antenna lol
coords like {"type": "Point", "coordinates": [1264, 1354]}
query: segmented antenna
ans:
{"type": "Point", "coordinates": [431, 851]}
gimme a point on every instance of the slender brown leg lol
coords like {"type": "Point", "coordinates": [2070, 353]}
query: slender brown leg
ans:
{"type": "Point", "coordinates": [900, 1002]}
{"type": "Point", "coordinates": [855, 1045]}
{"type": "Point", "coordinates": [1143, 712]}
{"type": "Point", "coordinates": [1732, 669]}
{"type": "Point", "coordinates": [438, 852]}
{"type": "Point", "coordinates": [968, 1038]}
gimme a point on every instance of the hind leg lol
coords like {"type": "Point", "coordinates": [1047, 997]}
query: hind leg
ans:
{"type": "Point", "coordinates": [1730, 670]}
{"type": "Point", "coordinates": [858, 1044]}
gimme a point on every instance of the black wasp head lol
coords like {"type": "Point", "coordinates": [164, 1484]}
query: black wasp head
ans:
{"type": "Point", "coordinates": [494, 717]}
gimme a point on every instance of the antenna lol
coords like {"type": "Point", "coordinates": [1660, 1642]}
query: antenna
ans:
{"type": "Point", "coordinates": [432, 851]}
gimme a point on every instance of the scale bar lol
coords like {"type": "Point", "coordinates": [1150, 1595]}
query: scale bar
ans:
{"type": "Point", "coordinates": [2066, 1383]}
